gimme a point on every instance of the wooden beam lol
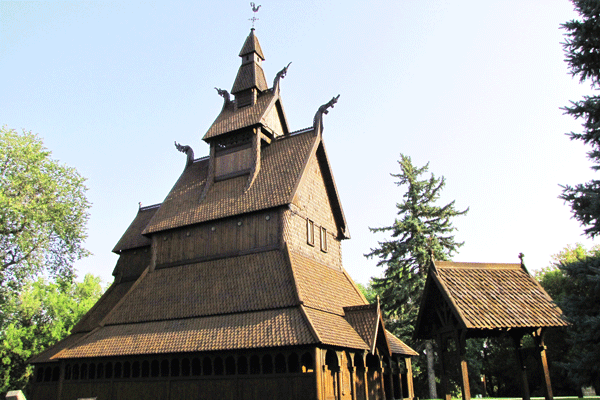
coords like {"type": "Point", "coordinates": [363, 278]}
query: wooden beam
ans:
{"type": "Point", "coordinates": [539, 341]}
{"type": "Point", "coordinates": [409, 378]}
{"type": "Point", "coordinates": [462, 349]}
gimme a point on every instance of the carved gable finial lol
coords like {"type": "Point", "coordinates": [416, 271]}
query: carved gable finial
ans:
{"type": "Point", "coordinates": [187, 150]}
{"type": "Point", "coordinates": [318, 119]}
{"type": "Point", "coordinates": [280, 75]}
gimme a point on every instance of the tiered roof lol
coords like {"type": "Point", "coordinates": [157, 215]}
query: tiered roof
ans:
{"type": "Point", "coordinates": [268, 298]}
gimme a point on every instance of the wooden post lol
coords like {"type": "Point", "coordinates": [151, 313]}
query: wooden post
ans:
{"type": "Point", "coordinates": [340, 375]}
{"type": "Point", "coordinates": [319, 373]}
{"type": "Point", "coordinates": [409, 378]}
{"type": "Point", "coordinates": [539, 341]}
{"type": "Point", "coordinates": [444, 378]}
{"type": "Point", "coordinates": [381, 380]}
{"type": "Point", "coordinates": [462, 346]}
{"type": "Point", "coordinates": [366, 375]}
{"type": "Point", "coordinates": [400, 392]}
{"type": "Point", "coordinates": [518, 340]}
{"type": "Point", "coordinates": [61, 379]}
{"type": "Point", "coordinates": [352, 369]}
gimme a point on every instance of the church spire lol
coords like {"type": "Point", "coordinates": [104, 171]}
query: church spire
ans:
{"type": "Point", "coordinates": [250, 80]}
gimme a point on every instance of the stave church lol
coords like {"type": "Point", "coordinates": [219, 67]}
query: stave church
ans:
{"type": "Point", "coordinates": [233, 287]}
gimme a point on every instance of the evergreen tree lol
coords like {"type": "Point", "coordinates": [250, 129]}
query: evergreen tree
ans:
{"type": "Point", "coordinates": [580, 303]}
{"type": "Point", "coordinates": [422, 229]}
{"type": "Point", "coordinates": [582, 306]}
{"type": "Point", "coordinates": [582, 48]}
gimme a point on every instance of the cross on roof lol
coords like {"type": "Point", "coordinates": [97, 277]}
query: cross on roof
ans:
{"type": "Point", "coordinates": [255, 9]}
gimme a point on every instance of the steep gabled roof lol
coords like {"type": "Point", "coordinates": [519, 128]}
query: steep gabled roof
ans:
{"type": "Point", "coordinates": [367, 321]}
{"type": "Point", "coordinates": [397, 346]}
{"type": "Point", "coordinates": [485, 296]}
{"type": "Point", "coordinates": [132, 238]}
{"type": "Point", "coordinates": [282, 167]}
{"type": "Point", "coordinates": [231, 119]}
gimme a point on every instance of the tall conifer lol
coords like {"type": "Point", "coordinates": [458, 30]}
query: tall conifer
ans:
{"type": "Point", "coordinates": [422, 229]}
{"type": "Point", "coordinates": [581, 306]}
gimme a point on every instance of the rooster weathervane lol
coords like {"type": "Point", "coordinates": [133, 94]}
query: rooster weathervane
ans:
{"type": "Point", "coordinates": [255, 8]}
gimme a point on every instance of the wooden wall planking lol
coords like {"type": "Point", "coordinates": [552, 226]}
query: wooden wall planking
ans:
{"type": "Point", "coordinates": [223, 237]}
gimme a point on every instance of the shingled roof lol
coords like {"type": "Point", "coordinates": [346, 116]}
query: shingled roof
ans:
{"type": "Point", "coordinates": [183, 309]}
{"type": "Point", "coordinates": [231, 118]}
{"type": "Point", "coordinates": [263, 297]}
{"type": "Point", "coordinates": [282, 165]}
{"type": "Point", "coordinates": [485, 296]}
{"type": "Point", "coordinates": [132, 237]}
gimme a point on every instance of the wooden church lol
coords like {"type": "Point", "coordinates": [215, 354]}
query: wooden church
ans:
{"type": "Point", "coordinates": [233, 287]}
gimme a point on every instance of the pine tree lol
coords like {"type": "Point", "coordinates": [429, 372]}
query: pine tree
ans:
{"type": "Point", "coordinates": [422, 229]}
{"type": "Point", "coordinates": [581, 306]}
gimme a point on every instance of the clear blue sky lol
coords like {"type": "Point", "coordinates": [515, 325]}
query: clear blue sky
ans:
{"type": "Point", "coordinates": [474, 88]}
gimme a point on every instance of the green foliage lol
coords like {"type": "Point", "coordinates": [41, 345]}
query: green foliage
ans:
{"type": "Point", "coordinates": [582, 50]}
{"type": "Point", "coordinates": [420, 230]}
{"type": "Point", "coordinates": [580, 303]}
{"type": "Point", "coordinates": [41, 315]}
{"type": "Point", "coordinates": [43, 212]}
{"type": "Point", "coordinates": [368, 291]}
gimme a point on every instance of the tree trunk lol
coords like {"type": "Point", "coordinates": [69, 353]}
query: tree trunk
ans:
{"type": "Point", "coordinates": [430, 370]}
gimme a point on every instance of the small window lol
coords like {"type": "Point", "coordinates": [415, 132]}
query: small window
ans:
{"type": "Point", "coordinates": [323, 239]}
{"type": "Point", "coordinates": [310, 232]}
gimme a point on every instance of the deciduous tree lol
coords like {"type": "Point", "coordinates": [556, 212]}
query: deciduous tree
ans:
{"type": "Point", "coordinates": [43, 212]}
{"type": "Point", "coordinates": [42, 314]}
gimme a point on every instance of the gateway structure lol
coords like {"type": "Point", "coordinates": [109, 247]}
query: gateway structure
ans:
{"type": "Point", "coordinates": [233, 287]}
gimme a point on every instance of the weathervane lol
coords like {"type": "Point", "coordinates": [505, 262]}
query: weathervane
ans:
{"type": "Point", "coordinates": [255, 9]}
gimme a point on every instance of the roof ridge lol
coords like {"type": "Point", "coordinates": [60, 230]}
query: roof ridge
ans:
{"type": "Point", "coordinates": [144, 208]}
{"type": "Point", "coordinates": [476, 265]}
{"type": "Point", "coordinates": [360, 307]}
{"type": "Point", "coordinates": [303, 130]}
